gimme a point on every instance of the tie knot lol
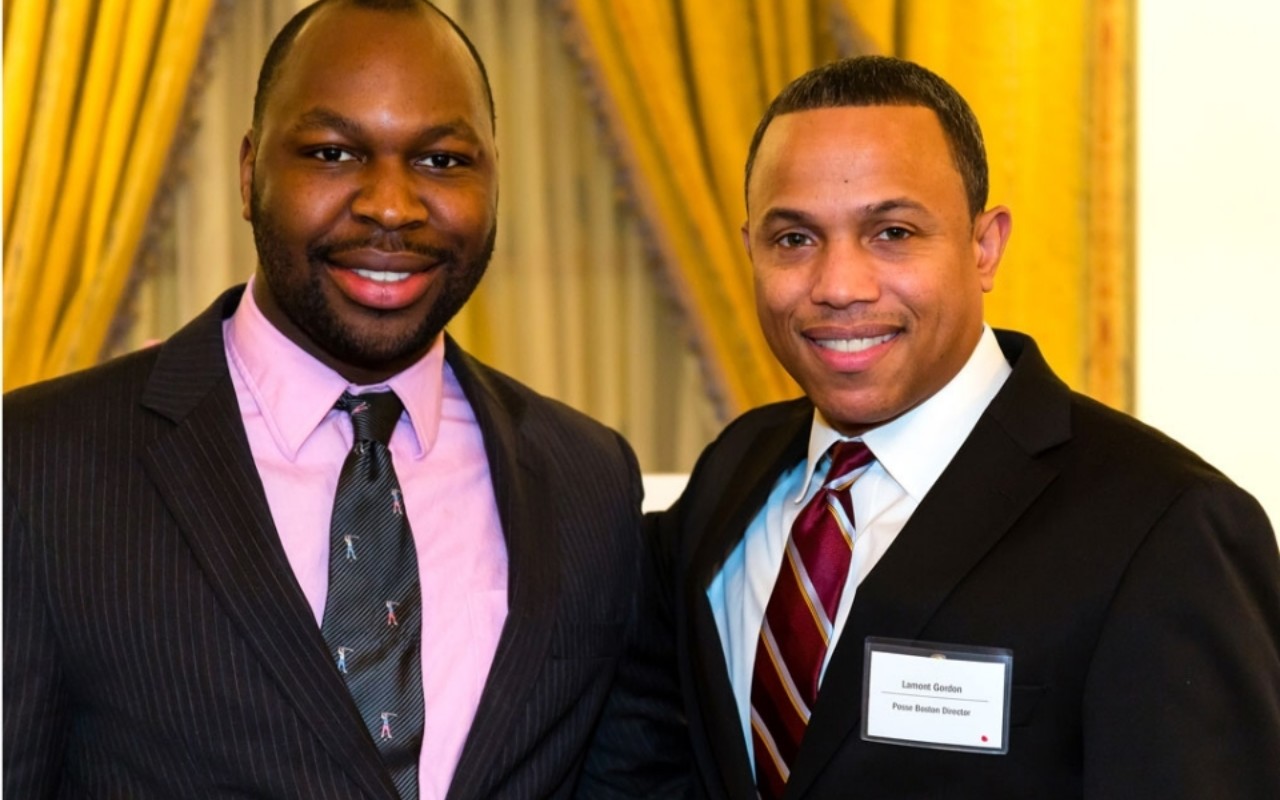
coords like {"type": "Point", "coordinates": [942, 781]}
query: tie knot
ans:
{"type": "Point", "coordinates": [373, 416]}
{"type": "Point", "coordinates": [846, 457]}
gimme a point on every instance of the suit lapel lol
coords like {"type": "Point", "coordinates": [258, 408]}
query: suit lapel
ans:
{"type": "Point", "coordinates": [991, 481]}
{"type": "Point", "coordinates": [204, 471]}
{"type": "Point", "coordinates": [746, 490]}
{"type": "Point", "coordinates": [533, 582]}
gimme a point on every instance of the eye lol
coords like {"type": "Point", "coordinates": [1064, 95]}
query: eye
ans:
{"type": "Point", "coordinates": [441, 161]}
{"type": "Point", "coordinates": [333, 154]}
{"type": "Point", "coordinates": [793, 239]}
{"type": "Point", "coordinates": [893, 233]}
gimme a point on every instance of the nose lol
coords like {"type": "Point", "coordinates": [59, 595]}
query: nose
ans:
{"type": "Point", "coordinates": [845, 274]}
{"type": "Point", "coordinates": [389, 198]}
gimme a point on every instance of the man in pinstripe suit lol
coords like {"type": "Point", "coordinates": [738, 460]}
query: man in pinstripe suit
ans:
{"type": "Point", "coordinates": [166, 515]}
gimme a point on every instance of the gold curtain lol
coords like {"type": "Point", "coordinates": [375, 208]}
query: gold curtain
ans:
{"type": "Point", "coordinates": [682, 85]}
{"type": "Point", "coordinates": [1051, 84]}
{"type": "Point", "coordinates": [94, 92]}
{"type": "Point", "coordinates": [572, 303]}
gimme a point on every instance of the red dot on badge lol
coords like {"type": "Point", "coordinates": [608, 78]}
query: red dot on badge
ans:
{"type": "Point", "coordinates": [984, 738]}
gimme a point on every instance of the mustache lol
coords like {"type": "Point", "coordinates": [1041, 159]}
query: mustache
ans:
{"type": "Point", "coordinates": [324, 251]}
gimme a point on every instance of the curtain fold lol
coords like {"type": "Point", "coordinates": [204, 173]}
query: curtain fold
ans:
{"type": "Point", "coordinates": [24, 28]}
{"type": "Point", "coordinates": [572, 303]}
{"type": "Point", "coordinates": [106, 103]}
{"type": "Point", "coordinates": [33, 205]}
{"type": "Point", "coordinates": [1111, 256]}
{"type": "Point", "coordinates": [203, 245]}
{"type": "Point", "coordinates": [681, 86]}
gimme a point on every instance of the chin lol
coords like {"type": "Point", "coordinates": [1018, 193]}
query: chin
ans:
{"type": "Point", "coordinates": [852, 418]}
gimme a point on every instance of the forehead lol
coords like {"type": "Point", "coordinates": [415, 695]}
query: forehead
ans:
{"type": "Point", "coordinates": [408, 61]}
{"type": "Point", "coordinates": [859, 148]}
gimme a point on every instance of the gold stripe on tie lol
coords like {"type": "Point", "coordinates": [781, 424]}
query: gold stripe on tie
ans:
{"type": "Point", "coordinates": [783, 673]}
{"type": "Point", "coordinates": [807, 592]}
{"type": "Point", "coordinates": [842, 522]}
{"type": "Point", "coordinates": [770, 745]}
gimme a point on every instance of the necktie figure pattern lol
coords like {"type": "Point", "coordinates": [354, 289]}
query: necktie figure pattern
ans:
{"type": "Point", "coordinates": [373, 611]}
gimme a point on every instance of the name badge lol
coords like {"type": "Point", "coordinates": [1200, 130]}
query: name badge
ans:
{"type": "Point", "coordinates": [942, 696]}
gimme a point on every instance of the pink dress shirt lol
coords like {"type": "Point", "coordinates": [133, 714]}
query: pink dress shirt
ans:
{"type": "Point", "coordinates": [299, 443]}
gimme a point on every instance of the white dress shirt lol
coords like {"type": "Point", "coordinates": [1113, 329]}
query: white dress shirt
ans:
{"type": "Point", "coordinates": [911, 452]}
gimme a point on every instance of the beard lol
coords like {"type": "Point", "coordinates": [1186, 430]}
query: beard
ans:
{"type": "Point", "coordinates": [299, 293]}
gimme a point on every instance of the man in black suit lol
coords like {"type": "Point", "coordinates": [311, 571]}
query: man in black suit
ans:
{"type": "Point", "coordinates": [1007, 590]}
{"type": "Point", "coordinates": [167, 515]}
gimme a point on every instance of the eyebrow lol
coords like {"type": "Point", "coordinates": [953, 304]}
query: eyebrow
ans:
{"type": "Point", "coordinates": [776, 216]}
{"type": "Point", "coordinates": [893, 204]}
{"type": "Point", "coordinates": [794, 216]}
{"type": "Point", "coordinates": [330, 120]}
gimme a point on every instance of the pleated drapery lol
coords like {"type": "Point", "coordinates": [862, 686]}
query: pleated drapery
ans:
{"type": "Point", "coordinates": [94, 92]}
{"type": "Point", "coordinates": [681, 87]}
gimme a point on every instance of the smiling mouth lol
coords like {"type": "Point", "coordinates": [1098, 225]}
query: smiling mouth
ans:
{"type": "Point", "coordinates": [853, 345]}
{"type": "Point", "coordinates": [380, 276]}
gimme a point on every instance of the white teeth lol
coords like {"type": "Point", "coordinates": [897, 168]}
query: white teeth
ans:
{"type": "Point", "coordinates": [382, 277]}
{"type": "Point", "coordinates": [853, 345]}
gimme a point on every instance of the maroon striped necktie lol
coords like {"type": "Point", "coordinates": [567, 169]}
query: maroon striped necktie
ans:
{"type": "Point", "coordinates": [797, 623]}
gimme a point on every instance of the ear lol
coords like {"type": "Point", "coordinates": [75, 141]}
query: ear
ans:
{"type": "Point", "coordinates": [248, 151]}
{"type": "Point", "coordinates": [746, 238]}
{"type": "Point", "coordinates": [991, 231]}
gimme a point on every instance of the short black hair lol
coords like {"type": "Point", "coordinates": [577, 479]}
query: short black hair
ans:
{"type": "Point", "coordinates": [283, 43]}
{"type": "Point", "coordinates": [886, 81]}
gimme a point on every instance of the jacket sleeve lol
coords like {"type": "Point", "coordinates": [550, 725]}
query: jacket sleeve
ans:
{"type": "Point", "coordinates": [640, 749]}
{"type": "Point", "coordinates": [35, 701]}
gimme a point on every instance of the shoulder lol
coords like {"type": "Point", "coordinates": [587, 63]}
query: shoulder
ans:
{"type": "Point", "coordinates": [559, 434]}
{"type": "Point", "coordinates": [543, 415]}
{"type": "Point", "coordinates": [1127, 440]}
{"type": "Point", "coordinates": [751, 450]}
{"type": "Point", "coordinates": [1039, 411]}
{"type": "Point", "coordinates": [742, 436]}
{"type": "Point", "coordinates": [1120, 463]}
{"type": "Point", "coordinates": [1148, 465]}
{"type": "Point", "coordinates": [185, 366]}
{"type": "Point", "coordinates": [76, 429]}
{"type": "Point", "coordinates": [80, 396]}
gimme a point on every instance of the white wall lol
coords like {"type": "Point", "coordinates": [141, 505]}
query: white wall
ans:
{"type": "Point", "coordinates": [1208, 233]}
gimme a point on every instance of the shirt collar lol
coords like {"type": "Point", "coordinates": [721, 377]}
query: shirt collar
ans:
{"type": "Point", "coordinates": [916, 447]}
{"type": "Point", "coordinates": [295, 392]}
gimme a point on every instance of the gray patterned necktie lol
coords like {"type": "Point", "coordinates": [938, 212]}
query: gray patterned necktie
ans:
{"type": "Point", "coordinates": [373, 614]}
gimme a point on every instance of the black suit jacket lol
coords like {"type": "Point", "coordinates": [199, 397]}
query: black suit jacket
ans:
{"type": "Point", "coordinates": [1138, 588]}
{"type": "Point", "coordinates": [157, 645]}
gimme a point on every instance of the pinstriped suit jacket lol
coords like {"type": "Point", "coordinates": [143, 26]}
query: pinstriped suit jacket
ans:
{"type": "Point", "coordinates": [156, 644]}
